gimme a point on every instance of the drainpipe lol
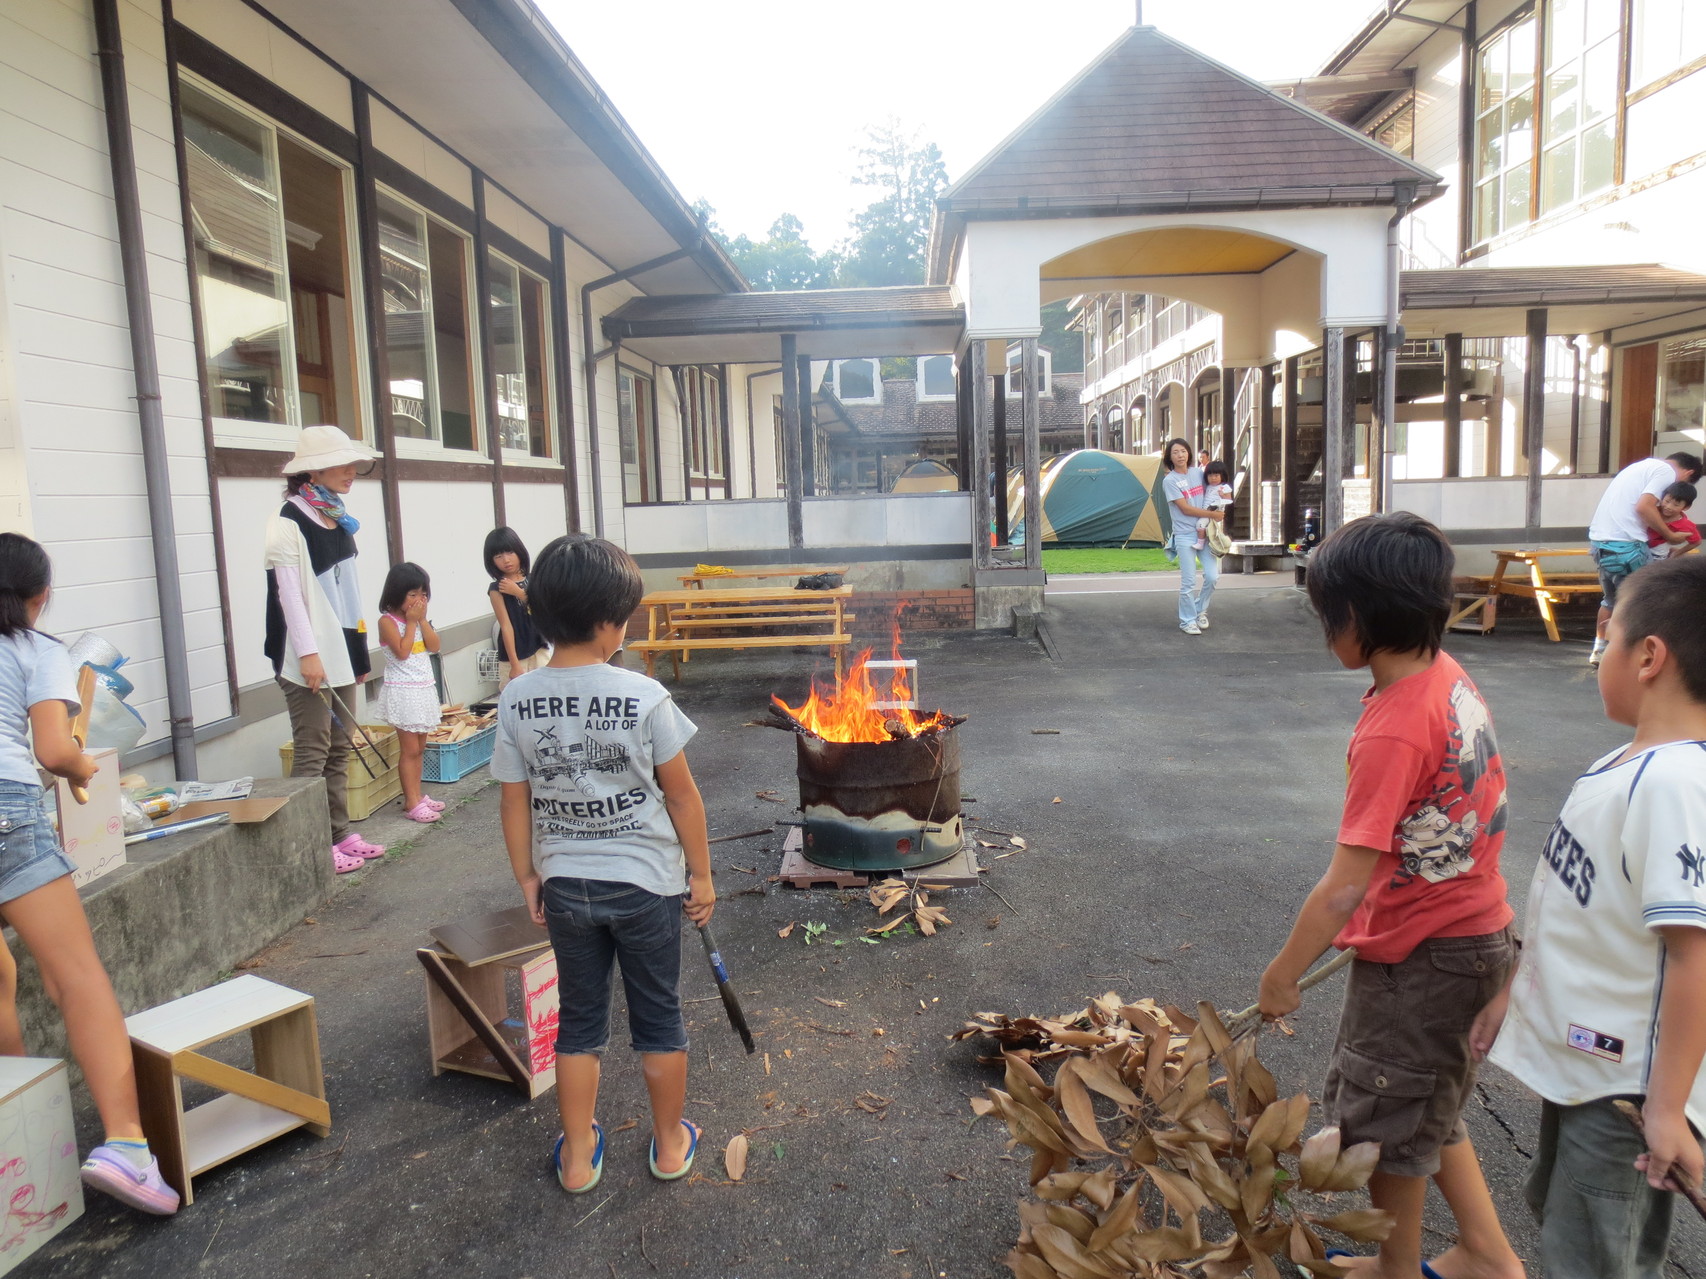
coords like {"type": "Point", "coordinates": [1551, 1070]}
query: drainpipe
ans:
{"type": "Point", "coordinates": [1404, 195]}
{"type": "Point", "coordinates": [752, 428]}
{"type": "Point", "coordinates": [591, 357]}
{"type": "Point", "coordinates": [156, 473]}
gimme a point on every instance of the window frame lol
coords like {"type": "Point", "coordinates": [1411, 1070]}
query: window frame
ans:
{"type": "Point", "coordinates": [647, 448]}
{"type": "Point", "coordinates": [876, 367]}
{"type": "Point", "coordinates": [1015, 353]}
{"type": "Point", "coordinates": [280, 437]}
{"type": "Point", "coordinates": [526, 457]}
{"type": "Point", "coordinates": [920, 395]}
{"type": "Point", "coordinates": [434, 447]}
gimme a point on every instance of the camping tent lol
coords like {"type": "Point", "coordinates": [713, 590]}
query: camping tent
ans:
{"type": "Point", "coordinates": [925, 476]}
{"type": "Point", "coordinates": [1096, 498]}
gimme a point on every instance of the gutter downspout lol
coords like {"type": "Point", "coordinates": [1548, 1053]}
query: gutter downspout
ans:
{"type": "Point", "coordinates": [752, 428]}
{"type": "Point", "coordinates": [156, 472]}
{"type": "Point", "coordinates": [590, 358]}
{"type": "Point", "coordinates": [1393, 340]}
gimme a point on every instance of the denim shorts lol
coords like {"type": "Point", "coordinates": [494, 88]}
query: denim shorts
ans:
{"type": "Point", "coordinates": [30, 855]}
{"type": "Point", "coordinates": [595, 922]}
{"type": "Point", "coordinates": [1615, 562]}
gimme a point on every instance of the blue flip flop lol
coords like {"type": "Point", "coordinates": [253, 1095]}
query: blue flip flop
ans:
{"type": "Point", "coordinates": [1428, 1272]}
{"type": "Point", "coordinates": [597, 1161]}
{"type": "Point", "coordinates": [686, 1165]}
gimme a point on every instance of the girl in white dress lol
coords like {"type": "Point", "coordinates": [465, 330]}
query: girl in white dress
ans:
{"type": "Point", "coordinates": [409, 699]}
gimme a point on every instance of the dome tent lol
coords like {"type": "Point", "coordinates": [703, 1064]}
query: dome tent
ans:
{"type": "Point", "coordinates": [1096, 498]}
{"type": "Point", "coordinates": [925, 476]}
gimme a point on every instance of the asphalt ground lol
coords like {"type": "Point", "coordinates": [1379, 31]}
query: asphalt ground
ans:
{"type": "Point", "coordinates": [1198, 783]}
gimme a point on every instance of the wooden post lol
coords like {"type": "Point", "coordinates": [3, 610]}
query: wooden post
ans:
{"type": "Point", "coordinates": [1291, 519]}
{"type": "Point", "coordinates": [998, 416]}
{"type": "Point", "coordinates": [791, 460]}
{"type": "Point", "coordinates": [1262, 453]}
{"type": "Point", "coordinates": [1534, 415]}
{"type": "Point", "coordinates": [963, 395]}
{"type": "Point", "coordinates": [808, 427]}
{"type": "Point", "coordinates": [1228, 451]}
{"type": "Point", "coordinates": [1338, 389]}
{"type": "Point", "coordinates": [1030, 364]}
{"type": "Point", "coordinates": [488, 351]}
{"type": "Point", "coordinates": [1453, 406]}
{"type": "Point", "coordinates": [978, 473]}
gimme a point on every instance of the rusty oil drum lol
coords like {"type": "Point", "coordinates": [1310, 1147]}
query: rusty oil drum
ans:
{"type": "Point", "coordinates": [880, 805]}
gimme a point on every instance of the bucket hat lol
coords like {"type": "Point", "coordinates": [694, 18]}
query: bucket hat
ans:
{"type": "Point", "coordinates": [321, 447]}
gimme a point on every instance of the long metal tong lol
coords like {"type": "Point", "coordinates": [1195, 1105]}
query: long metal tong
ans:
{"type": "Point", "coordinates": [341, 712]}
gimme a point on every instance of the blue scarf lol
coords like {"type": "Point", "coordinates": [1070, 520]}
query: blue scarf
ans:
{"type": "Point", "coordinates": [327, 505]}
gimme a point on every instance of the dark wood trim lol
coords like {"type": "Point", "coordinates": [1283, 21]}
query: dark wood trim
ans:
{"type": "Point", "coordinates": [198, 332]}
{"type": "Point", "coordinates": [565, 381]}
{"type": "Point", "coordinates": [998, 448]}
{"type": "Point", "coordinates": [808, 426]}
{"type": "Point", "coordinates": [679, 378]}
{"type": "Point", "coordinates": [1452, 405]}
{"type": "Point", "coordinates": [411, 186]}
{"type": "Point", "coordinates": [1290, 517]}
{"type": "Point", "coordinates": [724, 430]}
{"type": "Point", "coordinates": [231, 463]}
{"type": "Point", "coordinates": [513, 249]}
{"type": "Point", "coordinates": [791, 463]}
{"type": "Point", "coordinates": [1605, 404]}
{"type": "Point", "coordinates": [488, 350]}
{"type": "Point", "coordinates": [373, 308]}
{"type": "Point", "coordinates": [1228, 418]}
{"type": "Point", "coordinates": [1533, 411]}
{"type": "Point", "coordinates": [196, 53]}
{"type": "Point", "coordinates": [1466, 135]}
{"type": "Point", "coordinates": [1537, 128]}
{"type": "Point", "coordinates": [1575, 404]}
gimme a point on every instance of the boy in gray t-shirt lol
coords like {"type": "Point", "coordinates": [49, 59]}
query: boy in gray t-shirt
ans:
{"type": "Point", "coordinates": [605, 831]}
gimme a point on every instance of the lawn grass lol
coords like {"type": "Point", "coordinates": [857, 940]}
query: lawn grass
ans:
{"type": "Point", "coordinates": [1111, 559]}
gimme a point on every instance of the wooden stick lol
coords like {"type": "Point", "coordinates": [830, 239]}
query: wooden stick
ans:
{"type": "Point", "coordinates": [1632, 1113]}
{"type": "Point", "coordinates": [80, 725]}
{"type": "Point", "coordinates": [1242, 1023]}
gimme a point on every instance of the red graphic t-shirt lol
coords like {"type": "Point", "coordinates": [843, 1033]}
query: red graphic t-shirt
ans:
{"type": "Point", "coordinates": [1426, 786]}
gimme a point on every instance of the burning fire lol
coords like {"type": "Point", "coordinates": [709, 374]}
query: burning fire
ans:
{"type": "Point", "coordinates": [850, 713]}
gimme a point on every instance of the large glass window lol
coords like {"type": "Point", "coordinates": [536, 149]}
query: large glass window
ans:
{"type": "Point", "coordinates": [1504, 129]}
{"type": "Point", "coordinates": [1668, 35]}
{"type": "Point", "coordinates": [272, 260]}
{"type": "Point", "coordinates": [702, 422]}
{"type": "Point", "coordinates": [1579, 138]}
{"type": "Point", "coordinates": [857, 381]}
{"type": "Point", "coordinates": [936, 377]}
{"type": "Point", "coordinates": [636, 418]}
{"type": "Point", "coordinates": [520, 344]}
{"type": "Point", "coordinates": [425, 268]}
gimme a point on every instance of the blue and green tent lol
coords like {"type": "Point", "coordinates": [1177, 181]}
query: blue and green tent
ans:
{"type": "Point", "coordinates": [1096, 498]}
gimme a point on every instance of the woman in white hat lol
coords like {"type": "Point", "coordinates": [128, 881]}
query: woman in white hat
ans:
{"type": "Point", "coordinates": [315, 635]}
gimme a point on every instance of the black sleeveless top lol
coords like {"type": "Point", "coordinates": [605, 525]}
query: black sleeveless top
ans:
{"type": "Point", "coordinates": [527, 641]}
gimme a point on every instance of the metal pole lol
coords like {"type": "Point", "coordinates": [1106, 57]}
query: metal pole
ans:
{"type": "Point", "coordinates": [978, 377]}
{"type": "Point", "coordinates": [1534, 414]}
{"type": "Point", "coordinates": [156, 470]}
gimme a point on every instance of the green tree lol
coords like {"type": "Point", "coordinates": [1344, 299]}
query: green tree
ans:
{"type": "Point", "coordinates": [782, 260]}
{"type": "Point", "coordinates": [890, 237]}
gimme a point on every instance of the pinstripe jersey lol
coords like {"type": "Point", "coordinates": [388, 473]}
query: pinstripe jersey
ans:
{"type": "Point", "coordinates": [1626, 856]}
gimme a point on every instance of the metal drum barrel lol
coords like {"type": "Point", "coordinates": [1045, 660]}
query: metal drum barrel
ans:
{"type": "Point", "coordinates": [880, 805]}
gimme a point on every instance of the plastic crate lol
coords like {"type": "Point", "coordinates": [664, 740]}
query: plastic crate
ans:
{"type": "Point", "coordinates": [365, 795]}
{"type": "Point", "coordinates": [452, 761]}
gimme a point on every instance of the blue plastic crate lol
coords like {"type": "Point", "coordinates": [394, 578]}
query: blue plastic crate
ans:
{"type": "Point", "coordinates": [452, 761]}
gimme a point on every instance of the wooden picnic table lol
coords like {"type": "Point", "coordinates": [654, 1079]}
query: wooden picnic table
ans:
{"type": "Point", "coordinates": [1543, 587]}
{"type": "Point", "coordinates": [786, 570]}
{"type": "Point", "coordinates": [675, 621]}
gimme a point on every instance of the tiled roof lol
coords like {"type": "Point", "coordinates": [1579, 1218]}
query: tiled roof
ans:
{"type": "Point", "coordinates": [1154, 123]}
{"type": "Point", "coordinates": [900, 413]}
{"type": "Point", "coordinates": [781, 312]}
{"type": "Point", "coordinates": [1464, 287]}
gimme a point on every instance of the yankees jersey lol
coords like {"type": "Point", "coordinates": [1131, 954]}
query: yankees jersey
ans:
{"type": "Point", "coordinates": [1627, 856]}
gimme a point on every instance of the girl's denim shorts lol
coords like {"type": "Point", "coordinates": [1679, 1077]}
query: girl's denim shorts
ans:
{"type": "Point", "coordinates": [30, 855]}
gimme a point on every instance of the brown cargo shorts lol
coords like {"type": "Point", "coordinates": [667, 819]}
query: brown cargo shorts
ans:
{"type": "Point", "coordinates": [1401, 1071]}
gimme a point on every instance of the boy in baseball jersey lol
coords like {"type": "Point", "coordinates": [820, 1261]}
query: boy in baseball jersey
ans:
{"type": "Point", "coordinates": [1609, 1000]}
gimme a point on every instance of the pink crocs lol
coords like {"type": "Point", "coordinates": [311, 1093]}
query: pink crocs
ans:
{"type": "Point", "coordinates": [343, 863]}
{"type": "Point", "coordinates": [437, 805]}
{"type": "Point", "coordinates": [142, 1188]}
{"type": "Point", "coordinates": [353, 845]}
{"type": "Point", "coordinates": [423, 812]}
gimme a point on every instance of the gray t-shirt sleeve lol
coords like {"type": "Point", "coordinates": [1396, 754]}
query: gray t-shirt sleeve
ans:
{"type": "Point", "coordinates": [1173, 486]}
{"type": "Point", "coordinates": [508, 764]}
{"type": "Point", "coordinates": [669, 730]}
{"type": "Point", "coordinates": [51, 678]}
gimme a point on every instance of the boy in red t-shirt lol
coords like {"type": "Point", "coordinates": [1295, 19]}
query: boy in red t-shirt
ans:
{"type": "Point", "coordinates": [1673, 507]}
{"type": "Point", "coordinates": [1414, 885]}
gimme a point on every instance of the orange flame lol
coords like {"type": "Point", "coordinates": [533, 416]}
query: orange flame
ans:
{"type": "Point", "coordinates": [850, 713]}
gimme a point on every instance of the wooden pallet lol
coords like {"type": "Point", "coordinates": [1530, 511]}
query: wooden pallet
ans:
{"type": "Point", "coordinates": [959, 871]}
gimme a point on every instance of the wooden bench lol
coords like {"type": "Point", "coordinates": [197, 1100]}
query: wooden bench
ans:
{"type": "Point", "coordinates": [1477, 609]}
{"type": "Point", "coordinates": [674, 620]}
{"type": "Point", "coordinates": [760, 574]}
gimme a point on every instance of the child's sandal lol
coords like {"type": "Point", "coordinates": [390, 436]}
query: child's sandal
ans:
{"type": "Point", "coordinates": [597, 1161]}
{"type": "Point", "coordinates": [423, 812]}
{"type": "Point", "coordinates": [686, 1164]}
{"type": "Point", "coordinates": [343, 863]}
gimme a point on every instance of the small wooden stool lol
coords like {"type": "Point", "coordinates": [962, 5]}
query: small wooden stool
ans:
{"type": "Point", "coordinates": [470, 1024]}
{"type": "Point", "coordinates": [286, 1091]}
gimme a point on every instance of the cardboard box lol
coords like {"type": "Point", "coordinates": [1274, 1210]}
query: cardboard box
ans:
{"type": "Point", "coordinates": [92, 834]}
{"type": "Point", "coordinates": [38, 1156]}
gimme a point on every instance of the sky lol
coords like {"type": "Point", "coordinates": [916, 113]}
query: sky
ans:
{"type": "Point", "coordinates": [760, 106]}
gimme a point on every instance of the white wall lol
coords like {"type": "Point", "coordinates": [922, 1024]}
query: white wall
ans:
{"type": "Point", "coordinates": [71, 388]}
{"type": "Point", "coordinates": [244, 34]}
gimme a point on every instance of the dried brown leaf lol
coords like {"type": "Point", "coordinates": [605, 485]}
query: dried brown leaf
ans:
{"type": "Point", "coordinates": [1273, 1127]}
{"type": "Point", "coordinates": [1182, 1194]}
{"type": "Point", "coordinates": [830, 1003]}
{"type": "Point", "coordinates": [1320, 1155]}
{"type": "Point", "coordinates": [1100, 1073]}
{"type": "Point", "coordinates": [1074, 1221]}
{"type": "Point", "coordinates": [1061, 1186]}
{"type": "Point", "coordinates": [1355, 1166]}
{"type": "Point", "coordinates": [1365, 1225]}
{"type": "Point", "coordinates": [1209, 1175]}
{"type": "Point", "coordinates": [1018, 841]}
{"type": "Point", "coordinates": [1026, 1265]}
{"type": "Point", "coordinates": [1257, 1190]}
{"type": "Point", "coordinates": [981, 1106]}
{"type": "Point", "coordinates": [1075, 1102]}
{"type": "Point", "coordinates": [1120, 1219]}
{"type": "Point", "coordinates": [1100, 1187]}
{"type": "Point", "coordinates": [1067, 1255]}
{"type": "Point", "coordinates": [1160, 1246]}
{"type": "Point", "coordinates": [734, 1157]}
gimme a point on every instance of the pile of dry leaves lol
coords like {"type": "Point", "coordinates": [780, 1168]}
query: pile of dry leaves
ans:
{"type": "Point", "coordinates": [888, 894]}
{"type": "Point", "coordinates": [1194, 1124]}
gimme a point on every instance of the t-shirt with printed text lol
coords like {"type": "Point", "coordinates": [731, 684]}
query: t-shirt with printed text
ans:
{"type": "Point", "coordinates": [1186, 488]}
{"type": "Point", "coordinates": [588, 740]}
{"type": "Point", "coordinates": [1426, 786]}
{"type": "Point", "coordinates": [1626, 857]}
